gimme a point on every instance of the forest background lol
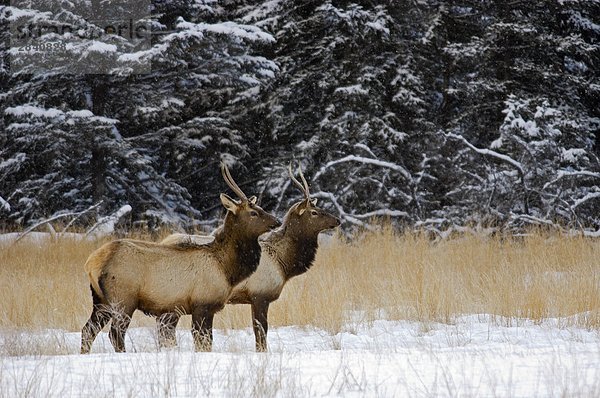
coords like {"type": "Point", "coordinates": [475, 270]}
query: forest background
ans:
{"type": "Point", "coordinates": [434, 114]}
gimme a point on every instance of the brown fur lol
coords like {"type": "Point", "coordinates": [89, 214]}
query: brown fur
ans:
{"type": "Point", "coordinates": [286, 252]}
{"type": "Point", "coordinates": [186, 278]}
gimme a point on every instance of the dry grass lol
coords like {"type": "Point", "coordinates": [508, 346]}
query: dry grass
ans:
{"type": "Point", "coordinates": [372, 276]}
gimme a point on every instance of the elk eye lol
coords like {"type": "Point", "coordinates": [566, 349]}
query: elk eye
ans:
{"type": "Point", "coordinates": [253, 213]}
{"type": "Point", "coordinates": [314, 212]}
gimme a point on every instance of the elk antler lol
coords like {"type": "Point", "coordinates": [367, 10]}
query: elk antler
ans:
{"type": "Point", "coordinates": [229, 180]}
{"type": "Point", "coordinates": [302, 185]}
{"type": "Point", "coordinates": [304, 181]}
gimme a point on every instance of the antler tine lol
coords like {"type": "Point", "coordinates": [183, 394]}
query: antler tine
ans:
{"type": "Point", "coordinates": [229, 180]}
{"type": "Point", "coordinates": [306, 190]}
{"type": "Point", "coordinates": [298, 183]}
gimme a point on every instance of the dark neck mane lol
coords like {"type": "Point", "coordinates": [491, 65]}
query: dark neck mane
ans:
{"type": "Point", "coordinates": [295, 255]}
{"type": "Point", "coordinates": [240, 255]}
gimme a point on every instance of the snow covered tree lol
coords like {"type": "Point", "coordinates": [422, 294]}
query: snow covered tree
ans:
{"type": "Point", "coordinates": [205, 82]}
{"type": "Point", "coordinates": [51, 165]}
{"type": "Point", "coordinates": [124, 137]}
{"type": "Point", "coordinates": [350, 100]}
{"type": "Point", "coordinates": [434, 113]}
{"type": "Point", "coordinates": [516, 90]}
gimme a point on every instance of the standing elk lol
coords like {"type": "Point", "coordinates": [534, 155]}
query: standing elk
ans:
{"type": "Point", "coordinates": [161, 280]}
{"type": "Point", "coordinates": [286, 252]}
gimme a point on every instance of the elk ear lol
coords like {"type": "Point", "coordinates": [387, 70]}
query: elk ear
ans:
{"type": "Point", "coordinates": [302, 208]}
{"type": "Point", "coordinates": [313, 201]}
{"type": "Point", "coordinates": [252, 199]}
{"type": "Point", "coordinates": [229, 203]}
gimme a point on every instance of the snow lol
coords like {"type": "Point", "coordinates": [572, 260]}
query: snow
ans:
{"type": "Point", "coordinates": [53, 113]}
{"type": "Point", "coordinates": [13, 162]}
{"type": "Point", "coordinates": [360, 159]}
{"type": "Point", "coordinates": [378, 26]}
{"type": "Point", "coordinates": [478, 355]}
{"type": "Point", "coordinates": [4, 205]}
{"type": "Point", "coordinates": [572, 155]}
{"type": "Point", "coordinates": [172, 101]}
{"type": "Point", "coordinates": [261, 14]}
{"type": "Point", "coordinates": [497, 143]}
{"type": "Point", "coordinates": [356, 89]}
{"type": "Point", "coordinates": [30, 110]}
{"type": "Point", "coordinates": [106, 225]}
{"type": "Point", "coordinates": [81, 113]}
{"type": "Point", "coordinates": [39, 237]}
{"type": "Point", "coordinates": [489, 152]}
{"type": "Point", "coordinates": [567, 173]}
{"type": "Point", "coordinates": [14, 14]}
{"type": "Point", "coordinates": [248, 32]}
{"type": "Point", "coordinates": [382, 212]}
{"type": "Point", "coordinates": [99, 47]}
{"type": "Point", "coordinates": [589, 196]}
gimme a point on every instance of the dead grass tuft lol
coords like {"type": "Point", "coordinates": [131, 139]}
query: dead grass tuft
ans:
{"type": "Point", "coordinates": [370, 276]}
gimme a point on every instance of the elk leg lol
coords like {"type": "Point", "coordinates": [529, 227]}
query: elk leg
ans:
{"type": "Point", "coordinates": [120, 322]}
{"type": "Point", "coordinates": [99, 318]}
{"type": "Point", "coordinates": [167, 324]}
{"type": "Point", "coordinates": [260, 324]}
{"type": "Point", "coordinates": [202, 322]}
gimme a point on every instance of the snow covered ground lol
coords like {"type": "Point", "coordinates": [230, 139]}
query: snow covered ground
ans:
{"type": "Point", "coordinates": [472, 357]}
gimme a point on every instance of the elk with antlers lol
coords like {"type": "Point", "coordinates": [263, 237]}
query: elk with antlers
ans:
{"type": "Point", "coordinates": [286, 252]}
{"type": "Point", "coordinates": [161, 280]}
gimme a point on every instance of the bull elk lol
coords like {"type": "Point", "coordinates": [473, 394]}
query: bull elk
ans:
{"type": "Point", "coordinates": [286, 252]}
{"type": "Point", "coordinates": [160, 280]}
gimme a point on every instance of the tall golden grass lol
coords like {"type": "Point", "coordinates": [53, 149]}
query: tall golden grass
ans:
{"type": "Point", "coordinates": [375, 275]}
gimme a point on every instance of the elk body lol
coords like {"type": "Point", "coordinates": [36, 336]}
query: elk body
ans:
{"type": "Point", "coordinates": [286, 252]}
{"type": "Point", "coordinates": [161, 280]}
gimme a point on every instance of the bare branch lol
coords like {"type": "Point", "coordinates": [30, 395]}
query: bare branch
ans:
{"type": "Point", "coordinates": [4, 205]}
{"type": "Point", "coordinates": [356, 218]}
{"type": "Point", "coordinates": [382, 212]}
{"type": "Point", "coordinates": [563, 174]}
{"type": "Point", "coordinates": [58, 217]}
{"type": "Point", "coordinates": [489, 152]}
{"type": "Point", "coordinates": [358, 159]}
{"type": "Point", "coordinates": [113, 218]}
{"type": "Point", "coordinates": [589, 196]}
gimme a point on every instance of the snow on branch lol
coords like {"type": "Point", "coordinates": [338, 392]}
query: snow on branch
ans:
{"type": "Point", "coordinates": [587, 233]}
{"type": "Point", "coordinates": [534, 220]}
{"type": "Point", "coordinates": [356, 218]}
{"type": "Point", "coordinates": [340, 209]}
{"type": "Point", "coordinates": [248, 32]}
{"type": "Point", "coordinates": [4, 205]}
{"type": "Point", "coordinates": [563, 174]}
{"type": "Point", "coordinates": [57, 217]}
{"type": "Point", "coordinates": [53, 113]}
{"type": "Point", "coordinates": [579, 202]}
{"type": "Point", "coordinates": [382, 212]}
{"type": "Point", "coordinates": [106, 225]}
{"type": "Point", "coordinates": [359, 159]}
{"type": "Point", "coordinates": [489, 152]}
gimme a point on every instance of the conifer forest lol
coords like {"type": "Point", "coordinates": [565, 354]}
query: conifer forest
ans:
{"type": "Point", "coordinates": [431, 114]}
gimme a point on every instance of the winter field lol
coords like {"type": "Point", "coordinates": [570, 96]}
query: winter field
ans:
{"type": "Point", "coordinates": [379, 314]}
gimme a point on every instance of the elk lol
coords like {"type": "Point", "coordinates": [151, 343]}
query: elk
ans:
{"type": "Point", "coordinates": [286, 252]}
{"type": "Point", "coordinates": [160, 280]}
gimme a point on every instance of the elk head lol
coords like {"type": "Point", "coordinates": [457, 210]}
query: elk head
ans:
{"type": "Point", "coordinates": [248, 217]}
{"type": "Point", "coordinates": [305, 215]}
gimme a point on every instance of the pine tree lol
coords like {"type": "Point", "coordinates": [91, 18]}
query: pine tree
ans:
{"type": "Point", "coordinates": [351, 102]}
{"type": "Point", "coordinates": [123, 137]}
{"type": "Point", "coordinates": [516, 83]}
